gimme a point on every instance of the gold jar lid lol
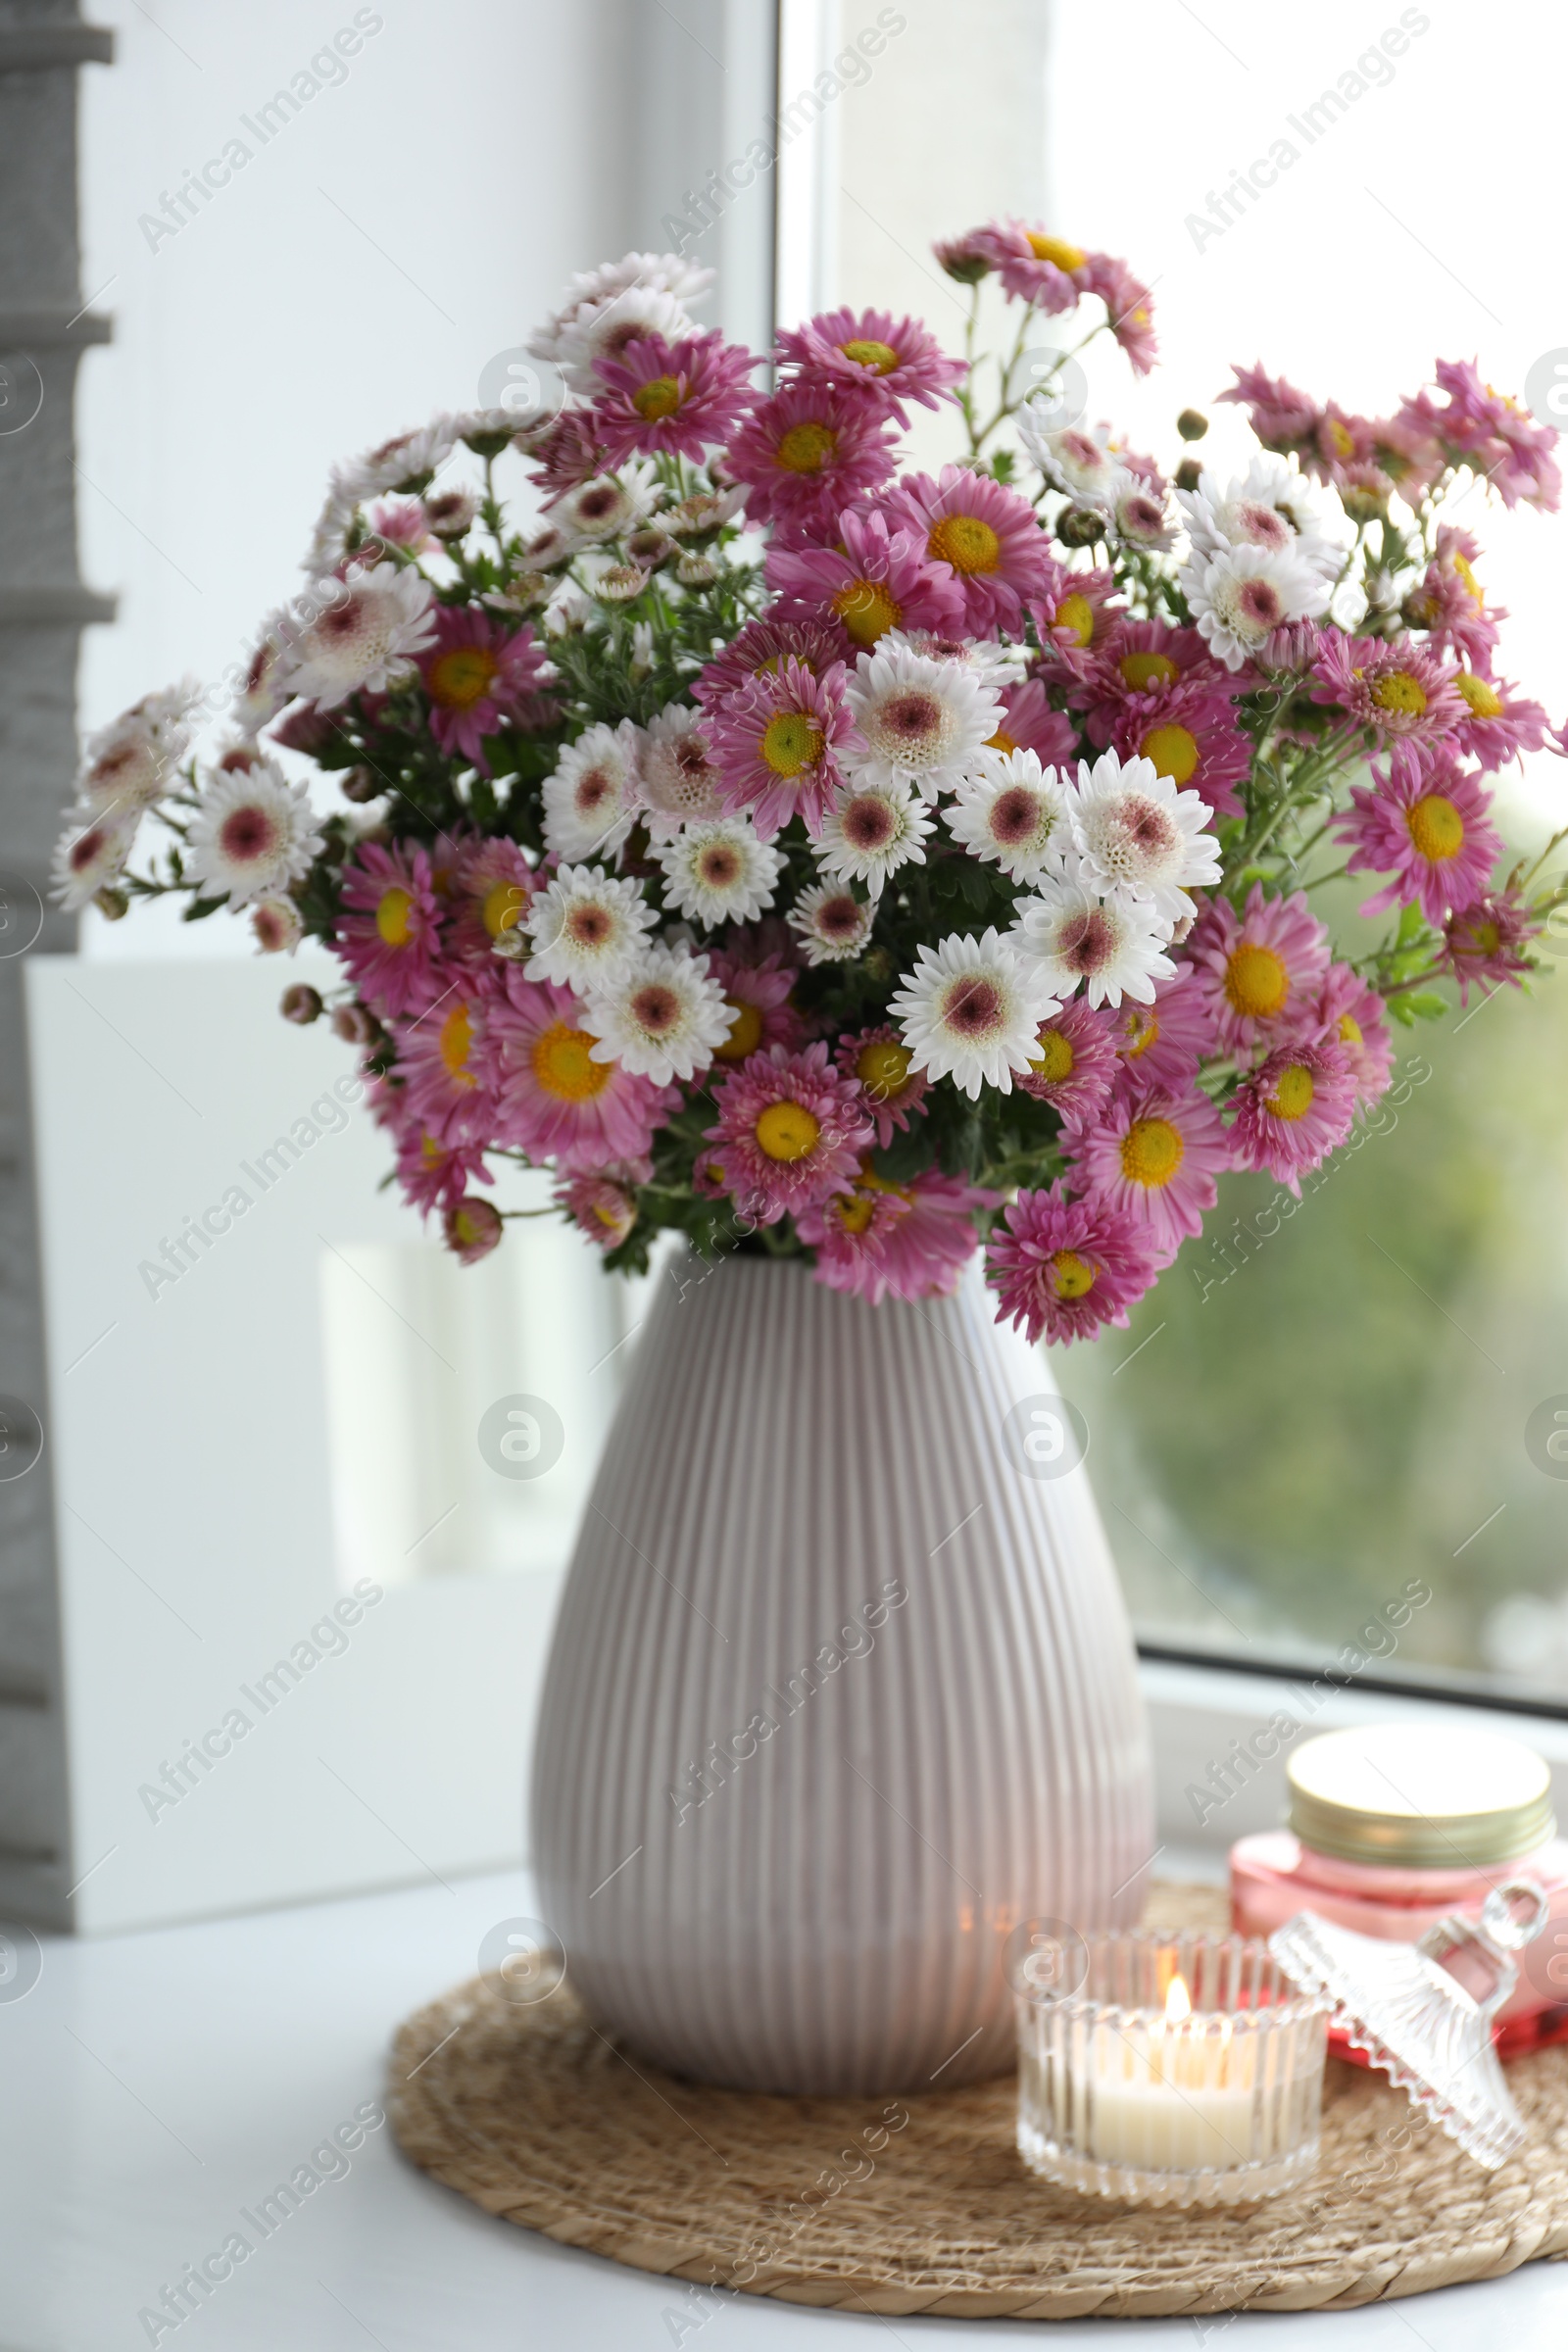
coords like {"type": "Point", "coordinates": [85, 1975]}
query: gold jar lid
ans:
{"type": "Point", "coordinates": [1427, 1797]}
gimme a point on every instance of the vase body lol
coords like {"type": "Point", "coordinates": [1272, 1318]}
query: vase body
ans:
{"type": "Point", "coordinates": [842, 1690]}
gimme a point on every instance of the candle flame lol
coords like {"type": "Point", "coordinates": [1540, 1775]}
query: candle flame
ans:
{"type": "Point", "coordinates": [1178, 2002]}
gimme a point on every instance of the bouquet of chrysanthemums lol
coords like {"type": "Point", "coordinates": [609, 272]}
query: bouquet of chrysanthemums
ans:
{"type": "Point", "coordinates": [860, 866]}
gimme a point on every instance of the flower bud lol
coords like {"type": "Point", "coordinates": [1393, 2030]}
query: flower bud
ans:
{"type": "Point", "coordinates": [111, 904]}
{"type": "Point", "coordinates": [1081, 526]}
{"type": "Point", "coordinates": [1191, 424]}
{"type": "Point", "coordinates": [472, 1228]}
{"type": "Point", "coordinates": [360, 783]}
{"type": "Point", "coordinates": [301, 1003]}
{"type": "Point", "coordinates": [277, 925]}
{"type": "Point", "coordinates": [355, 1024]}
{"type": "Point", "coordinates": [1189, 473]}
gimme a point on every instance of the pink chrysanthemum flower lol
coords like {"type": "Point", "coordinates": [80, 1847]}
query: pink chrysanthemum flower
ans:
{"type": "Point", "coordinates": [872, 581]}
{"type": "Point", "coordinates": [433, 1173]}
{"type": "Point", "coordinates": [438, 1059]}
{"type": "Point", "coordinates": [883, 1065]}
{"type": "Point", "coordinates": [966, 259]}
{"type": "Point", "coordinates": [677, 398]}
{"type": "Point", "coordinates": [1029, 723]}
{"type": "Point", "coordinates": [777, 744]}
{"type": "Point", "coordinates": [1282, 418]}
{"type": "Point", "coordinates": [1493, 434]}
{"type": "Point", "coordinates": [557, 1102]}
{"type": "Point", "coordinates": [1076, 613]}
{"type": "Point", "coordinates": [1135, 666]}
{"type": "Point", "coordinates": [1293, 1111]}
{"type": "Point", "coordinates": [808, 453]}
{"type": "Point", "coordinates": [471, 1228]}
{"type": "Point", "coordinates": [1484, 944]}
{"type": "Point", "coordinates": [1163, 1044]}
{"type": "Point", "coordinates": [1129, 308]}
{"type": "Point", "coordinates": [1497, 722]}
{"type": "Point", "coordinates": [757, 994]}
{"type": "Point", "coordinates": [849, 1232]}
{"type": "Point", "coordinates": [1258, 971]}
{"type": "Point", "coordinates": [1450, 603]}
{"type": "Point", "coordinates": [477, 677]}
{"type": "Point", "coordinates": [761, 650]}
{"type": "Point", "coordinates": [1063, 1269]}
{"type": "Point", "coordinates": [1076, 1063]}
{"type": "Point", "coordinates": [386, 934]}
{"type": "Point", "coordinates": [602, 1209]}
{"type": "Point", "coordinates": [1430, 832]}
{"type": "Point", "coordinates": [1154, 1157]}
{"type": "Point", "coordinates": [1351, 1016]}
{"type": "Point", "coordinates": [1048, 272]}
{"type": "Point", "coordinates": [986, 535]}
{"type": "Point", "coordinates": [889, 360]}
{"type": "Point", "coordinates": [926, 1252]}
{"type": "Point", "coordinates": [493, 886]}
{"type": "Point", "coordinates": [790, 1132]}
{"type": "Point", "coordinates": [1399, 691]}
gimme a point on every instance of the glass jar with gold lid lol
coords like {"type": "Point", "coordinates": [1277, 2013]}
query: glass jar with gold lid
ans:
{"type": "Point", "coordinates": [1394, 1826]}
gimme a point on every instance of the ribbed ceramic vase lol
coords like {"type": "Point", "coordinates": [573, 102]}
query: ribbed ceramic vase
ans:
{"type": "Point", "coordinates": [842, 1690]}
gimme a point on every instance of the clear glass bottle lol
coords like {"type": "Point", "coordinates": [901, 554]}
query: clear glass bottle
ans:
{"type": "Point", "coordinates": [1396, 1826]}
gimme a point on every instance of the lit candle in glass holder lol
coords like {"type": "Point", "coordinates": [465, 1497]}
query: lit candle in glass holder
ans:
{"type": "Point", "coordinates": [1167, 2069]}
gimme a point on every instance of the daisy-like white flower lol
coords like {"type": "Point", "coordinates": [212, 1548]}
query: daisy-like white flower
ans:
{"type": "Point", "coordinates": [1139, 838]}
{"type": "Point", "coordinates": [1071, 458]}
{"type": "Point", "coordinates": [608, 508]}
{"type": "Point", "coordinates": [680, 779]}
{"type": "Point", "coordinates": [1241, 595]}
{"type": "Point", "coordinates": [718, 871]}
{"type": "Point", "coordinates": [971, 1012]}
{"type": "Point", "coordinates": [405, 463]}
{"type": "Point", "coordinates": [586, 289]}
{"type": "Point", "coordinates": [1114, 947]}
{"type": "Point", "coordinates": [1272, 504]}
{"type": "Point", "coordinates": [89, 855]}
{"type": "Point", "coordinates": [663, 1019]}
{"type": "Point", "coordinates": [1138, 512]}
{"type": "Point", "coordinates": [590, 802]}
{"type": "Point", "coordinates": [130, 764]}
{"type": "Point", "coordinates": [602, 330]}
{"type": "Point", "coordinates": [365, 632]}
{"type": "Point", "coordinates": [586, 928]}
{"type": "Point", "coordinates": [872, 830]}
{"type": "Point", "coordinates": [922, 721]}
{"type": "Point", "coordinates": [253, 834]}
{"type": "Point", "coordinates": [1013, 813]}
{"type": "Point", "coordinates": [831, 923]}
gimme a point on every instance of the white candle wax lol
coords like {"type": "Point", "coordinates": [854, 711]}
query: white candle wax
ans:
{"type": "Point", "coordinates": [1173, 2096]}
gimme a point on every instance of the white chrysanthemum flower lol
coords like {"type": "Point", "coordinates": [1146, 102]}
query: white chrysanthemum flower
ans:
{"type": "Point", "coordinates": [680, 782]}
{"type": "Point", "coordinates": [1070, 457]}
{"type": "Point", "coordinates": [131, 763]}
{"type": "Point", "coordinates": [830, 922]}
{"type": "Point", "coordinates": [665, 272]}
{"type": "Point", "coordinates": [870, 831]}
{"type": "Point", "coordinates": [971, 1012]}
{"type": "Point", "coordinates": [262, 693]}
{"type": "Point", "coordinates": [1112, 947]}
{"type": "Point", "coordinates": [253, 834]}
{"type": "Point", "coordinates": [602, 330]}
{"type": "Point", "coordinates": [664, 1019]}
{"type": "Point", "coordinates": [704, 511]}
{"type": "Point", "coordinates": [1137, 837]}
{"type": "Point", "coordinates": [330, 535]}
{"type": "Point", "coordinates": [590, 802]}
{"type": "Point", "coordinates": [1013, 813]}
{"type": "Point", "coordinates": [586, 928]}
{"type": "Point", "coordinates": [277, 925]}
{"type": "Point", "coordinates": [608, 507]}
{"type": "Point", "coordinates": [1240, 596]}
{"type": "Point", "coordinates": [396, 465]}
{"type": "Point", "coordinates": [365, 631]}
{"type": "Point", "coordinates": [1138, 512]}
{"type": "Point", "coordinates": [921, 721]}
{"type": "Point", "coordinates": [90, 854]}
{"type": "Point", "coordinates": [1272, 504]}
{"type": "Point", "coordinates": [718, 871]}
{"type": "Point", "coordinates": [994, 664]}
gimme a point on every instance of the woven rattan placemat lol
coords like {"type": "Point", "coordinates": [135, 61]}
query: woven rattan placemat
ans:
{"type": "Point", "coordinates": [922, 2204]}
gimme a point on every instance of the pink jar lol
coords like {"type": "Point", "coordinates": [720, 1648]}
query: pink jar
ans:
{"type": "Point", "coordinates": [1394, 1827]}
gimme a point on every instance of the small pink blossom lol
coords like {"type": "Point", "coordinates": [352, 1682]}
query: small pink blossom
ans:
{"type": "Point", "coordinates": [671, 397]}
{"type": "Point", "coordinates": [477, 676]}
{"type": "Point", "coordinates": [777, 744]}
{"type": "Point", "coordinates": [1485, 944]}
{"type": "Point", "coordinates": [878, 1059]}
{"type": "Point", "coordinates": [1351, 1015]}
{"type": "Point", "coordinates": [871, 581]}
{"type": "Point", "coordinates": [808, 454]}
{"type": "Point", "coordinates": [557, 1102]}
{"type": "Point", "coordinates": [1064, 1269]}
{"type": "Point", "coordinates": [889, 360]}
{"type": "Point", "coordinates": [1257, 970]}
{"type": "Point", "coordinates": [1430, 832]}
{"type": "Point", "coordinates": [386, 934]}
{"type": "Point", "coordinates": [1076, 1062]}
{"type": "Point", "coordinates": [986, 535]}
{"type": "Point", "coordinates": [1293, 1111]}
{"type": "Point", "coordinates": [790, 1132]}
{"type": "Point", "coordinates": [1153, 1156]}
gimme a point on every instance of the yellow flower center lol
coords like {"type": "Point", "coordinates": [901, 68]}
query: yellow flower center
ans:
{"type": "Point", "coordinates": [502, 906]}
{"type": "Point", "coordinates": [1174, 751]}
{"type": "Point", "coordinates": [855, 1212]}
{"type": "Point", "coordinates": [1142, 671]}
{"type": "Point", "coordinates": [1402, 693]}
{"type": "Point", "coordinates": [1479, 939]}
{"type": "Point", "coordinates": [457, 1036]}
{"type": "Point", "coordinates": [1151, 1152]}
{"type": "Point", "coordinates": [808, 447]}
{"type": "Point", "coordinates": [868, 610]}
{"type": "Point", "coordinates": [1001, 742]}
{"type": "Point", "coordinates": [1484, 700]}
{"type": "Point", "coordinates": [1077, 614]}
{"type": "Point", "coordinates": [880, 355]}
{"type": "Point", "coordinates": [1141, 1029]}
{"type": "Point", "coordinates": [659, 398]}
{"type": "Point", "coordinates": [1257, 982]}
{"type": "Point", "coordinates": [1436, 828]}
{"type": "Point", "coordinates": [459, 678]}
{"type": "Point", "coordinates": [1056, 1057]}
{"type": "Point", "coordinates": [392, 918]}
{"type": "Point", "coordinates": [564, 1065]}
{"type": "Point", "coordinates": [1461, 565]}
{"type": "Point", "coordinates": [744, 1033]}
{"type": "Point", "coordinates": [791, 741]}
{"type": "Point", "coordinates": [1056, 249]}
{"type": "Point", "coordinates": [1291, 1098]}
{"type": "Point", "coordinates": [965, 542]}
{"type": "Point", "coordinates": [1070, 1276]}
{"type": "Point", "coordinates": [1341, 442]}
{"type": "Point", "coordinates": [1351, 1030]}
{"type": "Point", "coordinates": [883, 1068]}
{"type": "Point", "coordinates": [465, 1226]}
{"type": "Point", "coordinates": [787, 1131]}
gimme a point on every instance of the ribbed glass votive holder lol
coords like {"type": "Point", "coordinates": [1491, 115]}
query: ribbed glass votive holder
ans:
{"type": "Point", "coordinates": [1167, 2069]}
